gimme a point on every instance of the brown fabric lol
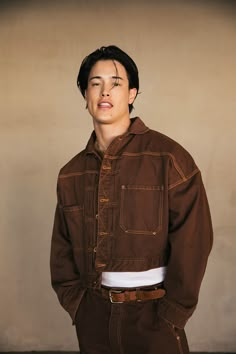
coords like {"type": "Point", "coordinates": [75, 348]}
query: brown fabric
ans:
{"type": "Point", "coordinates": [115, 295]}
{"type": "Point", "coordinates": [140, 207]}
{"type": "Point", "coordinates": [132, 327]}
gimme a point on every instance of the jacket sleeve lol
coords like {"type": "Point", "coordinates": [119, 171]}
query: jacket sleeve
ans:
{"type": "Point", "coordinates": [64, 275]}
{"type": "Point", "coordinates": [190, 242]}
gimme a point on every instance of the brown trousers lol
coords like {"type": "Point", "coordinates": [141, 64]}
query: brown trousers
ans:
{"type": "Point", "coordinates": [127, 328]}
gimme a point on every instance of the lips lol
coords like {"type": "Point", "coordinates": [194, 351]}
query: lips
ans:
{"type": "Point", "coordinates": [105, 104]}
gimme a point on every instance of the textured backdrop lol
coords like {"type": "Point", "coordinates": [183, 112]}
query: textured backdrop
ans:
{"type": "Point", "coordinates": [186, 54]}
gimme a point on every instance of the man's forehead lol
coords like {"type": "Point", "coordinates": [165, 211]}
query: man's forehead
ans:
{"type": "Point", "coordinates": [108, 68]}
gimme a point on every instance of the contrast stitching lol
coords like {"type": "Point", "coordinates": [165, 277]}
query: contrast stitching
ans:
{"type": "Point", "coordinates": [177, 167]}
{"type": "Point", "coordinates": [72, 174]}
{"type": "Point", "coordinates": [186, 178]}
{"type": "Point", "coordinates": [142, 187]}
{"type": "Point", "coordinates": [129, 259]}
{"type": "Point", "coordinates": [175, 307]}
{"type": "Point", "coordinates": [123, 221]}
{"type": "Point", "coordinates": [111, 157]}
{"type": "Point", "coordinates": [146, 153]}
{"type": "Point", "coordinates": [119, 329]}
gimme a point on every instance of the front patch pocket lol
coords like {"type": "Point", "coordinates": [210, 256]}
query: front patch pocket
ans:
{"type": "Point", "coordinates": [141, 209]}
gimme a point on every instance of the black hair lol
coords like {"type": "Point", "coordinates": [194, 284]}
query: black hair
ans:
{"type": "Point", "coordinates": [110, 52]}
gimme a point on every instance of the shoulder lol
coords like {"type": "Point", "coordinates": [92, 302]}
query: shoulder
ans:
{"type": "Point", "coordinates": [167, 144]}
{"type": "Point", "coordinates": [179, 157]}
{"type": "Point", "coordinates": [73, 165]}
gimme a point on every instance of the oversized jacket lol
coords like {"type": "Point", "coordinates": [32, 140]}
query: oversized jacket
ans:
{"type": "Point", "coordinates": [142, 206]}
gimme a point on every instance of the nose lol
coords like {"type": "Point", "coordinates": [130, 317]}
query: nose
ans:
{"type": "Point", "coordinates": [105, 91]}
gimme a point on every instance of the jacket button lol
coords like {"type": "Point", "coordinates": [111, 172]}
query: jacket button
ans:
{"type": "Point", "coordinates": [104, 167]}
{"type": "Point", "coordinates": [104, 200]}
{"type": "Point", "coordinates": [102, 233]}
{"type": "Point", "coordinates": [95, 249]}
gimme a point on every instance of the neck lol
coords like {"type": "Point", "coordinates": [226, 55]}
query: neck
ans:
{"type": "Point", "coordinates": [107, 132]}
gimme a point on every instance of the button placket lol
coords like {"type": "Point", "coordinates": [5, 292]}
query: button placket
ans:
{"type": "Point", "coordinates": [103, 200]}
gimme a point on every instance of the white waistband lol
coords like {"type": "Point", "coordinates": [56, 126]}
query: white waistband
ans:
{"type": "Point", "coordinates": [133, 279]}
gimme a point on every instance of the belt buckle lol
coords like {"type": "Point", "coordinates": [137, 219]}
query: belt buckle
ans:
{"type": "Point", "coordinates": [115, 292]}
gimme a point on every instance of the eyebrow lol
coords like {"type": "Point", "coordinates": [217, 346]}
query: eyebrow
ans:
{"type": "Point", "coordinates": [99, 77]}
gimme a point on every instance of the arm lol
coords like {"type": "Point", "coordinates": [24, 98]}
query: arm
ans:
{"type": "Point", "coordinates": [64, 275]}
{"type": "Point", "coordinates": [190, 241]}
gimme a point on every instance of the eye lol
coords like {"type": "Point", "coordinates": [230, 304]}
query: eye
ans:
{"type": "Point", "coordinates": [116, 83]}
{"type": "Point", "coordinates": [95, 83]}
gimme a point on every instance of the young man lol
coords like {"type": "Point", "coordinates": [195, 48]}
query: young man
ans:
{"type": "Point", "coordinates": [132, 230]}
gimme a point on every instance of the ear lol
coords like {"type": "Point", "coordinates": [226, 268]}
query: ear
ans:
{"type": "Point", "coordinates": [85, 98]}
{"type": "Point", "coordinates": [132, 95]}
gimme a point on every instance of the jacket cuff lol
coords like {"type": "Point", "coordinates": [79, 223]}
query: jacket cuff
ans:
{"type": "Point", "coordinates": [173, 313]}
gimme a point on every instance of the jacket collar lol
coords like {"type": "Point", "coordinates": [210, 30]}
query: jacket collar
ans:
{"type": "Point", "coordinates": [136, 127]}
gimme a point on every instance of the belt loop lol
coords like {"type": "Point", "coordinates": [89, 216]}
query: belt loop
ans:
{"type": "Point", "coordinates": [138, 295]}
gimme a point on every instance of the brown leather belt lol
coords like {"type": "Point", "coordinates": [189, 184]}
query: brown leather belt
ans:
{"type": "Point", "coordinates": [120, 296]}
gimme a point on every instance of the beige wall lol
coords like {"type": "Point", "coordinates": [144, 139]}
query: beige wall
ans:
{"type": "Point", "coordinates": [186, 55]}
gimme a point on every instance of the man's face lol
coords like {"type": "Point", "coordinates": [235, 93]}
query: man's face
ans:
{"type": "Point", "coordinates": [108, 94]}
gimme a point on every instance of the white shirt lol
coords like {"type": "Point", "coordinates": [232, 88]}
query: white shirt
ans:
{"type": "Point", "coordinates": [133, 279]}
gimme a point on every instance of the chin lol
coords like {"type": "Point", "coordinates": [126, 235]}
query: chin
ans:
{"type": "Point", "coordinates": [103, 120]}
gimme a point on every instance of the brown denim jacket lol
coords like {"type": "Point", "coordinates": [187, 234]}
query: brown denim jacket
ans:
{"type": "Point", "coordinates": [140, 207]}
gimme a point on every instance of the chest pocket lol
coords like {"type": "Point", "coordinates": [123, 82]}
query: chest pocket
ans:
{"type": "Point", "coordinates": [141, 209]}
